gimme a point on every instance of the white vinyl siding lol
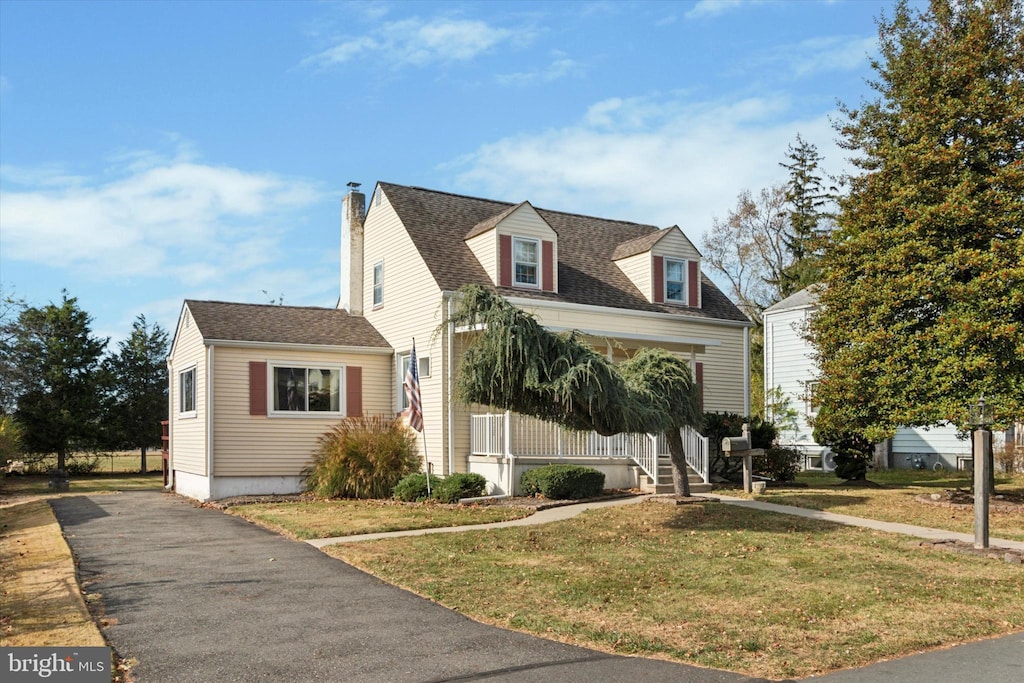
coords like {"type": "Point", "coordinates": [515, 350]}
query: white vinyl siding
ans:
{"type": "Point", "coordinates": [640, 271]}
{"type": "Point", "coordinates": [790, 368]}
{"type": "Point", "coordinates": [414, 311]}
{"type": "Point", "coordinates": [256, 445]}
{"type": "Point", "coordinates": [188, 430]}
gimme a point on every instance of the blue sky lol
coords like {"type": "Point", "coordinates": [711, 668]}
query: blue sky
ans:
{"type": "Point", "coordinates": [157, 151]}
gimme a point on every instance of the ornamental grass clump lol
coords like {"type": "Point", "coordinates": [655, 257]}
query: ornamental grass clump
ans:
{"type": "Point", "coordinates": [362, 457]}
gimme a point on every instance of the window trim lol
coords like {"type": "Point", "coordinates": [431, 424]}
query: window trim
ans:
{"type": "Point", "coordinates": [400, 369]}
{"type": "Point", "coordinates": [810, 403]}
{"type": "Point", "coordinates": [186, 414]}
{"type": "Point", "coordinates": [538, 265]}
{"type": "Point", "coordinates": [377, 290]}
{"type": "Point", "coordinates": [683, 265]}
{"type": "Point", "coordinates": [306, 414]}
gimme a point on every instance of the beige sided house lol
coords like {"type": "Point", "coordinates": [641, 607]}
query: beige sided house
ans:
{"type": "Point", "coordinates": [623, 285]}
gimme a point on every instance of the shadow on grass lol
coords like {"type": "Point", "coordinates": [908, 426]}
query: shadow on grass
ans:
{"type": "Point", "coordinates": [733, 518]}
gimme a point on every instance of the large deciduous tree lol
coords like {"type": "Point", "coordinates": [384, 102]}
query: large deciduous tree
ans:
{"type": "Point", "coordinates": [516, 364]}
{"type": "Point", "coordinates": [60, 383]}
{"type": "Point", "coordinates": [138, 400]}
{"type": "Point", "coordinates": [923, 305]}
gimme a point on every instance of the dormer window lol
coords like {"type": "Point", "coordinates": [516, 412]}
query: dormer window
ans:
{"type": "Point", "coordinates": [675, 281]}
{"type": "Point", "coordinates": [526, 261]}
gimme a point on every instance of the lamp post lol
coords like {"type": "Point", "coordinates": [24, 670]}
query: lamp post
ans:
{"type": "Point", "coordinates": [981, 418]}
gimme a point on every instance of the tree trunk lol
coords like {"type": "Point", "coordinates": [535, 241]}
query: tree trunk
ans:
{"type": "Point", "coordinates": [143, 460]}
{"type": "Point", "coordinates": [62, 460]}
{"type": "Point", "coordinates": [680, 474]}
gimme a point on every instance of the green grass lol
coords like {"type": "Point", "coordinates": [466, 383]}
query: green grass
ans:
{"type": "Point", "coordinates": [327, 518]}
{"type": "Point", "coordinates": [710, 584]}
{"type": "Point", "coordinates": [896, 500]}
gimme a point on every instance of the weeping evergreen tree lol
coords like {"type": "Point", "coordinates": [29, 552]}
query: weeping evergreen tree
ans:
{"type": "Point", "coordinates": [516, 364]}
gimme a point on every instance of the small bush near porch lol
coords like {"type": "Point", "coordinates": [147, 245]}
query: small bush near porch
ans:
{"type": "Point", "coordinates": [362, 457]}
{"type": "Point", "coordinates": [562, 482]}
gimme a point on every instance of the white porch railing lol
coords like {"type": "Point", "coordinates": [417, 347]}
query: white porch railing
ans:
{"type": "Point", "coordinates": [502, 434]}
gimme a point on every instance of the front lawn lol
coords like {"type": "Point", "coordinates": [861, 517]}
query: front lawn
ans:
{"type": "Point", "coordinates": [328, 518]}
{"type": "Point", "coordinates": [896, 500]}
{"type": "Point", "coordinates": [710, 584]}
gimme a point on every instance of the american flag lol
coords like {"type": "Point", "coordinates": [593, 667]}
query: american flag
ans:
{"type": "Point", "coordinates": [412, 392]}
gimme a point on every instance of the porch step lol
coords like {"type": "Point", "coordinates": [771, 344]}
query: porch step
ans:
{"type": "Point", "coordinates": [665, 485]}
{"type": "Point", "coordinates": [669, 488]}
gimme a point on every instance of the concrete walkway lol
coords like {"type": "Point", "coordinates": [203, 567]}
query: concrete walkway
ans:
{"type": "Point", "coordinates": [569, 511]}
{"type": "Point", "coordinates": [850, 520]}
{"type": "Point", "coordinates": [554, 514]}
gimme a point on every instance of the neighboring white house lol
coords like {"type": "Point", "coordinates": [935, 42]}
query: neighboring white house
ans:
{"type": "Point", "coordinates": [790, 373]}
{"type": "Point", "coordinates": [623, 285]}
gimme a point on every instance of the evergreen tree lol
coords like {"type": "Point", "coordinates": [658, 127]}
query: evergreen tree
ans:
{"type": "Point", "coordinates": [923, 305]}
{"type": "Point", "coordinates": [59, 399]}
{"type": "Point", "coordinates": [808, 201]}
{"type": "Point", "coordinates": [138, 376]}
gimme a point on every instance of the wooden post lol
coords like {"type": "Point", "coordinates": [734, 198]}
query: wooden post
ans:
{"type": "Point", "coordinates": [748, 485]}
{"type": "Point", "coordinates": [982, 474]}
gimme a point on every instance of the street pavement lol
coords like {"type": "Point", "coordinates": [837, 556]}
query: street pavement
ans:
{"type": "Point", "coordinates": [196, 595]}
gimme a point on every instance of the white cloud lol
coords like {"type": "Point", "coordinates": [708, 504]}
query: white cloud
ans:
{"type": "Point", "coordinates": [191, 221]}
{"type": "Point", "coordinates": [415, 42]}
{"type": "Point", "coordinates": [832, 53]}
{"type": "Point", "coordinates": [714, 8]}
{"type": "Point", "coordinates": [663, 160]}
{"type": "Point", "coordinates": [560, 67]}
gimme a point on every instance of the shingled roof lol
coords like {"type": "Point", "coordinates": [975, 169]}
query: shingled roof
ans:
{"type": "Point", "coordinates": [223, 321]}
{"type": "Point", "coordinates": [438, 223]}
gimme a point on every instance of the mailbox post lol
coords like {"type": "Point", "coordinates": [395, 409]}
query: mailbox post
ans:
{"type": "Point", "coordinates": [739, 446]}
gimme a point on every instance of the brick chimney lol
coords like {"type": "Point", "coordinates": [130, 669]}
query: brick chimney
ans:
{"type": "Point", "coordinates": [353, 211]}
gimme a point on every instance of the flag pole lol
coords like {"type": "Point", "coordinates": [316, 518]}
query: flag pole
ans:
{"type": "Point", "coordinates": [415, 411]}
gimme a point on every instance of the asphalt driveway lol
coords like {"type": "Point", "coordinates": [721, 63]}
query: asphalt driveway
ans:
{"type": "Point", "coordinates": [199, 596]}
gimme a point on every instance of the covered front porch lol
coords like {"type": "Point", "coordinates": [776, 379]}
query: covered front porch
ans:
{"type": "Point", "coordinates": [504, 445]}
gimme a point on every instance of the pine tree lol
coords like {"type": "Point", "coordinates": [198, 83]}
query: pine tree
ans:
{"type": "Point", "coordinates": [809, 219]}
{"type": "Point", "coordinates": [59, 398]}
{"type": "Point", "coordinates": [138, 376]}
{"type": "Point", "coordinates": [923, 305]}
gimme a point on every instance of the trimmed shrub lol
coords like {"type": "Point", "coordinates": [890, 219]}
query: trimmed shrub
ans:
{"type": "Point", "coordinates": [717, 426]}
{"type": "Point", "coordinates": [852, 452]}
{"type": "Point", "coordinates": [562, 482]}
{"type": "Point", "coordinates": [413, 487]}
{"type": "Point", "coordinates": [362, 457]}
{"type": "Point", "coordinates": [459, 485]}
{"type": "Point", "coordinates": [779, 463]}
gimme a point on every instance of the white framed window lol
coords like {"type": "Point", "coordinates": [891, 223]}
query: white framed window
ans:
{"type": "Point", "coordinates": [298, 390]}
{"type": "Point", "coordinates": [403, 367]}
{"type": "Point", "coordinates": [378, 284]}
{"type": "Point", "coordinates": [187, 392]}
{"type": "Point", "coordinates": [675, 281]}
{"type": "Point", "coordinates": [525, 262]}
{"type": "Point", "coordinates": [811, 397]}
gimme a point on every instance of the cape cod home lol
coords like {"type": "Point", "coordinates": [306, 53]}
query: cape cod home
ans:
{"type": "Point", "coordinates": [254, 386]}
{"type": "Point", "coordinates": [790, 373]}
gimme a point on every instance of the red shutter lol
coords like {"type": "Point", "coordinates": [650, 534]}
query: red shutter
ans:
{"type": "Point", "coordinates": [699, 379]}
{"type": "Point", "coordinates": [659, 280]}
{"type": "Point", "coordinates": [353, 391]}
{"type": "Point", "coordinates": [694, 281]}
{"type": "Point", "coordinates": [257, 388]}
{"type": "Point", "coordinates": [548, 263]}
{"type": "Point", "coordinates": [505, 260]}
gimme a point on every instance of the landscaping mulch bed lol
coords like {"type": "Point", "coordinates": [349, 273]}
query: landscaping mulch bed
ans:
{"type": "Point", "coordinates": [962, 499]}
{"type": "Point", "coordinates": [1008, 555]}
